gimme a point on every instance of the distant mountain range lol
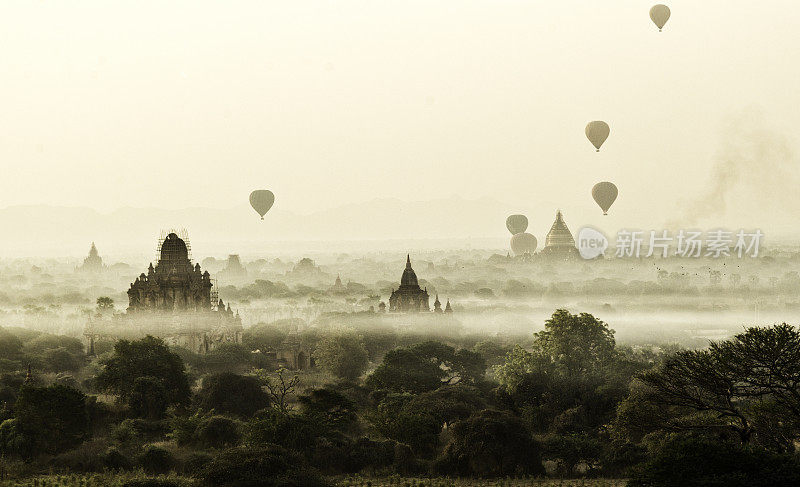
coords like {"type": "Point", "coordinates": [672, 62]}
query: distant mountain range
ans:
{"type": "Point", "coordinates": [64, 231]}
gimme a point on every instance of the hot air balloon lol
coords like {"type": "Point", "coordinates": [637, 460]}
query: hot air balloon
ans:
{"type": "Point", "coordinates": [597, 133]}
{"type": "Point", "coordinates": [517, 224]}
{"type": "Point", "coordinates": [523, 243]}
{"type": "Point", "coordinates": [659, 14]}
{"type": "Point", "coordinates": [604, 195]}
{"type": "Point", "coordinates": [262, 200]}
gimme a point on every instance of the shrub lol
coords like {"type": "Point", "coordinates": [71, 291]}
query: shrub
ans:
{"type": "Point", "coordinates": [269, 466]}
{"type": "Point", "coordinates": [195, 463]}
{"type": "Point", "coordinates": [230, 393]}
{"type": "Point", "coordinates": [696, 462]}
{"type": "Point", "coordinates": [491, 444]}
{"type": "Point", "coordinates": [51, 419]}
{"type": "Point", "coordinates": [218, 431]}
{"type": "Point", "coordinates": [115, 460]}
{"type": "Point", "coordinates": [150, 483]}
{"type": "Point", "coordinates": [148, 357]}
{"type": "Point", "coordinates": [87, 457]}
{"type": "Point", "coordinates": [156, 460]}
{"type": "Point", "coordinates": [290, 431]}
{"type": "Point", "coordinates": [343, 355]}
{"type": "Point", "coordinates": [148, 398]}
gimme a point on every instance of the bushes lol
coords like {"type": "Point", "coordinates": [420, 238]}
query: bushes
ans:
{"type": "Point", "coordinates": [194, 464]}
{"type": "Point", "coordinates": [696, 462]}
{"type": "Point", "coordinates": [418, 428]}
{"type": "Point", "coordinates": [148, 398]}
{"type": "Point", "coordinates": [491, 444]}
{"type": "Point", "coordinates": [135, 431]}
{"type": "Point", "coordinates": [263, 336]}
{"type": "Point", "coordinates": [217, 432]}
{"type": "Point", "coordinates": [230, 393]}
{"type": "Point", "coordinates": [151, 483]}
{"type": "Point", "coordinates": [343, 355]}
{"type": "Point", "coordinates": [115, 460]}
{"type": "Point", "coordinates": [156, 460]}
{"type": "Point", "coordinates": [268, 466]}
{"type": "Point", "coordinates": [148, 357]}
{"type": "Point", "coordinates": [48, 420]}
{"type": "Point", "coordinates": [289, 431]}
{"type": "Point", "coordinates": [205, 430]}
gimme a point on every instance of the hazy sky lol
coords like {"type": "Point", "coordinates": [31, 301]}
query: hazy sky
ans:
{"type": "Point", "coordinates": [174, 104]}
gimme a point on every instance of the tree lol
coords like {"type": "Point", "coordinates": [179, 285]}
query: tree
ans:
{"type": "Point", "coordinates": [491, 444]}
{"type": "Point", "coordinates": [292, 431]}
{"type": "Point", "coordinates": [577, 343]}
{"type": "Point", "coordinates": [60, 360]}
{"type": "Point", "coordinates": [148, 398]}
{"type": "Point", "coordinates": [230, 393]}
{"type": "Point", "coordinates": [218, 431]}
{"type": "Point", "coordinates": [268, 466]}
{"type": "Point", "coordinates": [228, 357]}
{"type": "Point", "coordinates": [425, 367]}
{"type": "Point", "coordinates": [405, 370]}
{"type": "Point", "coordinates": [695, 462]}
{"type": "Point", "coordinates": [280, 387]}
{"type": "Point", "coordinates": [448, 404]}
{"type": "Point", "coordinates": [570, 450]}
{"type": "Point", "coordinates": [50, 419]}
{"type": "Point", "coordinates": [343, 355]}
{"type": "Point", "coordinates": [572, 378]}
{"type": "Point", "coordinates": [105, 305]}
{"type": "Point", "coordinates": [329, 407]}
{"type": "Point", "coordinates": [148, 357]}
{"type": "Point", "coordinates": [418, 428]}
{"type": "Point", "coordinates": [491, 351]}
{"type": "Point", "coordinates": [264, 336]}
{"type": "Point", "coordinates": [155, 460]}
{"type": "Point", "coordinates": [10, 349]}
{"type": "Point", "coordinates": [747, 385]}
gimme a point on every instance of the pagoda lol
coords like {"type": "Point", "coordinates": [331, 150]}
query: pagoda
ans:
{"type": "Point", "coordinates": [409, 297]}
{"type": "Point", "coordinates": [93, 262]}
{"type": "Point", "coordinates": [559, 241]}
{"type": "Point", "coordinates": [173, 284]}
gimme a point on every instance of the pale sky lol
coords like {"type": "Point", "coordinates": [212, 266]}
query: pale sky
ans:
{"type": "Point", "coordinates": [175, 104]}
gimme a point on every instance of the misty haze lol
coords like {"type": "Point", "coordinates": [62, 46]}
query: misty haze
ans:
{"type": "Point", "coordinates": [370, 243]}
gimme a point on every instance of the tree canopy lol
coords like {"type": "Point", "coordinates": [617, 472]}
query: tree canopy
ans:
{"type": "Point", "coordinates": [147, 357]}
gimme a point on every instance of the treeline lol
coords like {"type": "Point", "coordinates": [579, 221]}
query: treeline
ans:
{"type": "Point", "coordinates": [570, 403]}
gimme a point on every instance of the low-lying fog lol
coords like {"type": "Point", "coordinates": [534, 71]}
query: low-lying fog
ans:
{"type": "Point", "coordinates": [647, 301]}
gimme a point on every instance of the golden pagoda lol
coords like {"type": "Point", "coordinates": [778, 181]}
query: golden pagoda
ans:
{"type": "Point", "coordinates": [559, 241]}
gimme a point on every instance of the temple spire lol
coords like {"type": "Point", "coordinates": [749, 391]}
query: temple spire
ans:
{"type": "Point", "coordinates": [408, 261]}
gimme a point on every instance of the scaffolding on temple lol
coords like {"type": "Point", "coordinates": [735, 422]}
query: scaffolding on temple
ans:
{"type": "Point", "coordinates": [214, 295]}
{"type": "Point", "coordinates": [182, 234]}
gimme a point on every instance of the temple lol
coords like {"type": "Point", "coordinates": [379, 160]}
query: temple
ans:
{"type": "Point", "coordinates": [338, 287]}
{"type": "Point", "coordinates": [559, 242]}
{"type": "Point", "coordinates": [93, 262]}
{"type": "Point", "coordinates": [173, 284]}
{"type": "Point", "coordinates": [409, 297]}
{"type": "Point", "coordinates": [176, 301]}
{"type": "Point", "coordinates": [234, 267]}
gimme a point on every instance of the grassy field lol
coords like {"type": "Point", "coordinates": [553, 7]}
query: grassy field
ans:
{"type": "Point", "coordinates": [447, 482]}
{"type": "Point", "coordinates": [120, 480]}
{"type": "Point", "coordinates": [88, 480]}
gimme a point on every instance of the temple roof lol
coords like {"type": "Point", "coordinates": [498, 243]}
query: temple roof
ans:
{"type": "Point", "coordinates": [174, 249]}
{"type": "Point", "coordinates": [409, 278]}
{"type": "Point", "coordinates": [559, 235]}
